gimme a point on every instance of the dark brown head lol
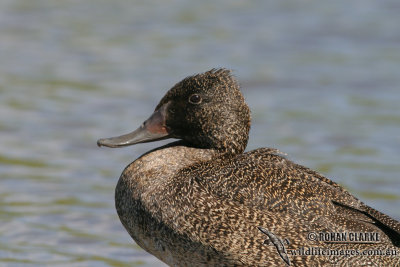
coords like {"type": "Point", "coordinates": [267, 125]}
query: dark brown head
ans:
{"type": "Point", "coordinates": [206, 110]}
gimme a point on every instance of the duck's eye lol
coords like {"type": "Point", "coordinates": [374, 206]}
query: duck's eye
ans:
{"type": "Point", "coordinates": [195, 99]}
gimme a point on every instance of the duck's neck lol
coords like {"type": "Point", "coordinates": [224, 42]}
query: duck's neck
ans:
{"type": "Point", "coordinates": [150, 172]}
{"type": "Point", "coordinates": [226, 144]}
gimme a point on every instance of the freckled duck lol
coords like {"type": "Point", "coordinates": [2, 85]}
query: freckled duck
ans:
{"type": "Point", "coordinates": [203, 201]}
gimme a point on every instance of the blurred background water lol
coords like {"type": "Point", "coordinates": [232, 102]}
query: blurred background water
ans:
{"type": "Point", "coordinates": [322, 80]}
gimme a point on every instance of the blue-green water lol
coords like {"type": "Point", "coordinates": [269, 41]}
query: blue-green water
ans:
{"type": "Point", "coordinates": [322, 80]}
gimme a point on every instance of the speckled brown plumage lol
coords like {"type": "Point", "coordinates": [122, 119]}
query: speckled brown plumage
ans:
{"type": "Point", "coordinates": [200, 201]}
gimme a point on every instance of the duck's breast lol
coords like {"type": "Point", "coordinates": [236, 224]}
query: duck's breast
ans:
{"type": "Point", "coordinates": [144, 204]}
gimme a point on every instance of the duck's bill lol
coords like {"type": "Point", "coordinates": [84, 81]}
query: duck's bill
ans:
{"type": "Point", "coordinates": [152, 129]}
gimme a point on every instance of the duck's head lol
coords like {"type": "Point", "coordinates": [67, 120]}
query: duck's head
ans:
{"type": "Point", "coordinates": [206, 110]}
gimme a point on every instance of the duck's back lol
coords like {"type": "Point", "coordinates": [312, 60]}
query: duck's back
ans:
{"type": "Point", "coordinates": [264, 179]}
